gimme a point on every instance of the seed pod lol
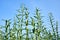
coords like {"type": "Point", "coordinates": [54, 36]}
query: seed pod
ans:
{"type": "Point", "coordinates": [32, 23]}
{"type": "Point", "coordinates": [33, 30]}
{"type": "Point", "coordinates": [26, 22]}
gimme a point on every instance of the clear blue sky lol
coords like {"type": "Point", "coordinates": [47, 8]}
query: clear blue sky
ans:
{"type": "Point", "coordinates": [8, 7]}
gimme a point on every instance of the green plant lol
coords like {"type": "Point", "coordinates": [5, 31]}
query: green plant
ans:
{"type": "Point", "coordinates": [13, 30]}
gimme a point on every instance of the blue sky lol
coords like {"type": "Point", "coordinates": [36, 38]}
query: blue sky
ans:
{"type": "Point", "coordinates": [8, 8]}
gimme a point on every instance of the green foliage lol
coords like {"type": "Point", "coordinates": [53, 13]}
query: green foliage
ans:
{"type": "Point", "coordinates": [19, 28]}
